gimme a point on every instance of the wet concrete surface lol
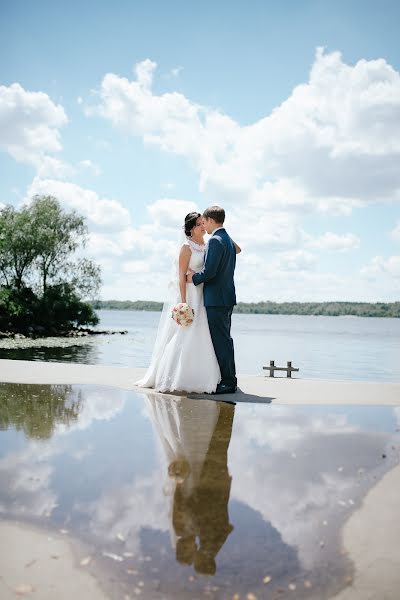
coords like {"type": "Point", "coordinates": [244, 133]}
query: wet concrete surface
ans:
{"type": "Point", "coordinates": [192, 498]}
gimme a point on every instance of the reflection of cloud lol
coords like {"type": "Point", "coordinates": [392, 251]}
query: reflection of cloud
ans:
{"type": "Point", "coordinates": [26, 475]}
{"type": "Point", "coordinates": [126, 509]}
{"type": "Point", "coordinates": [285, 466]}
{"type": "Point", "coordinates": [193, 437]}
{"type": "Point", "coordinates": [25, 481]}
{"type": "Point", "coordinates": [396, 411]}
{"type": "Point", "coordinates": [287, 469]}
{"type": "Point", "coordinates": [286, 430]}
{"type": "Point", "coordinates": [182, 428]}
{"type": "Point", "coordinates": [99, 405]}
{"type": "Point", "coordinates": [83, 453]}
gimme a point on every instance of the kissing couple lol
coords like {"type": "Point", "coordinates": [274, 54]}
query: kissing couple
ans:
{"type": "Point", "coordinates": [199, 358]}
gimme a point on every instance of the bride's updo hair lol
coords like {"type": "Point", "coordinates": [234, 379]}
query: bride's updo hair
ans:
{"type": "Point", "coordinates": [190, 222]}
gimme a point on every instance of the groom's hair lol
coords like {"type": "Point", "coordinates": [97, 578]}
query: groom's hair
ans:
{"type": "Point", "coordinates": [215, 212]}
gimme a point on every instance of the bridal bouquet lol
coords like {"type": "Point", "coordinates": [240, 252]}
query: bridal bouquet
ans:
{"type": "Point", "coordinates": [182, 314]}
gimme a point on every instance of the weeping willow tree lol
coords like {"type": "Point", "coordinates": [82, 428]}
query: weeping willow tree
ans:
{"type": "Point", "coordinates": [46, 284]}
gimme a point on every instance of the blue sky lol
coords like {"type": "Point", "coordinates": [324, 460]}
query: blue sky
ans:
{"type": "Point", "coordinates": [307, 175]}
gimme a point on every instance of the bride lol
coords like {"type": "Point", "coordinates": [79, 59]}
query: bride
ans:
{"type": "Point", "coordinates": [184, 358]}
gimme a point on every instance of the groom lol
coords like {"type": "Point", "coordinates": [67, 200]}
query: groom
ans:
{"type": "Point", "coordinates": [219, 294]}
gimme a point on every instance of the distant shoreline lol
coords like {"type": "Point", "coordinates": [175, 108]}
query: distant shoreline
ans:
{"type": "Point", "coordinates": [328, 309]}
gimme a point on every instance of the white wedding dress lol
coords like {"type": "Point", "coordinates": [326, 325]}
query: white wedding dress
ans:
{"type": "Point", "coordinates": [184, 358]}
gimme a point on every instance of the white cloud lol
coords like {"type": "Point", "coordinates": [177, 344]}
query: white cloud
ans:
{"type": "Point", "coordinates": [90, 166]}
{"type": "Point", "coordinates": [335, 242]}
{"type": "Point", "coordinates": [29, 129]}
{"type": "Point", "coordinates": [101, 245]}
{"type": "Point", "coordinates": [176, 71]}
{"type": "Point", "coordinates": [168, 185]}
{"type": "Point", "coordinates": [379, 280]}
{"type": "Point", "coordinates": [102, 213]}
{"type": "Point", "coordinates": [173, 73]}
{"type": "Point", "coordinates": [48, 166]}
{"type": "Point", "coordinates": [333, 144]}
{"type": "Point", "coordinates": [99, 144]}
{"type": "Point", "coordinates": [136, 266]}
{"type": "Point", "coordinates": [296, 260]}
{"type": "Point", "coordinates": [272, 231]}
{"type": "Point", "coordinates": [170, 212]}
{"type": "Point", "coordinates": [144, 72]}
{"type": "Point", "coordinates": [395, 233]}
{"type": "Point", "coordinates": [383, 266]}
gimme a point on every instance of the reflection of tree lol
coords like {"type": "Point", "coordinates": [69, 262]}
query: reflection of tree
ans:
{"type": "Point", "coordinates": [84, 353]}
{"type": "Point", "coordinates": [37, 409]}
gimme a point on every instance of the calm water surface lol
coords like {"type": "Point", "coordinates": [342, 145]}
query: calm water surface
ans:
{"type": "Point", "coordinates": [322, 347]}
{"type": "Point", "coordinates": [182, 498]}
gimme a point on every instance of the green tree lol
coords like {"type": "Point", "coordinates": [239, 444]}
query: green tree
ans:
{"type": "Point", "coordinates": [44, 279]}
{"type": "Point", "coordinates": [58, 235]}
{"type": "Point", "coordinates": [18, 246]}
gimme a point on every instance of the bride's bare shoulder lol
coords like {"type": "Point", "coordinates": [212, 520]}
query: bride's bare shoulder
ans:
{"type": "Point", "coordinates": [185, 249]}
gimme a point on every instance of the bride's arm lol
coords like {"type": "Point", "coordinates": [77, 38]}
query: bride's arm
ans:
{"type": "Point", "coordinates": [184, 258]}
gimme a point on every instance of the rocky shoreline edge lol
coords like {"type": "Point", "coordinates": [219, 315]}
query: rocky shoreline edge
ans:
{"type": "Point", "coordinates": [42, 333]}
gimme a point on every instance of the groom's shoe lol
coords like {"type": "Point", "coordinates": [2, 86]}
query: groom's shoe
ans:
{"type": "Point", "coordinates": [223, 388]}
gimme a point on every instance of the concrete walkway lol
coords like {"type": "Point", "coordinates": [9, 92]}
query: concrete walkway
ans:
{"type": "Point", "coordinates": [252, 388]}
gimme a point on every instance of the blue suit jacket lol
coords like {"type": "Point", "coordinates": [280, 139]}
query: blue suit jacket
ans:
{"type": "Point", "coordinates": [219, 268]}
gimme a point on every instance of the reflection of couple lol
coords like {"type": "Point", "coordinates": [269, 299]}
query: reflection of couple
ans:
{"type": "Point", "coordinates": [203, 280]}
{"type": "Point", "coordinates": [195, 436]}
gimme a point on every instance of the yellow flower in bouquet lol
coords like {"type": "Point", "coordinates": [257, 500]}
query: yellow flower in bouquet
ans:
{"type": "Point", "coordinates": [182, 314]}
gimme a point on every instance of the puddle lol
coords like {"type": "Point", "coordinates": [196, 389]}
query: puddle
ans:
{"type": "Point", "coordinates": [183, 498]}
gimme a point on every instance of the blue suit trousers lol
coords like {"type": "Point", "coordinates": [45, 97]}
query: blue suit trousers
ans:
{"type": "Point", "coordinates": [220, 321]}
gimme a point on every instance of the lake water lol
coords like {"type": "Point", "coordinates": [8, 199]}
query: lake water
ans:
{"type": "Point", "coordinates": [188, 499]}
{"type": "Point", "coordinates": [322, 347]}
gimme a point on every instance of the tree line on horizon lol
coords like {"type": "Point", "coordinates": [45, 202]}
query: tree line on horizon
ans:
{"type": "Point", "coordinates": [331, 309]}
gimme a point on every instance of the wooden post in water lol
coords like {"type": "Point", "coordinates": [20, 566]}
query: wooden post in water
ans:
{"type": "Point", "coordinates": [272, 368]}
{"type": "Point", "coordinates": [272, 365]}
